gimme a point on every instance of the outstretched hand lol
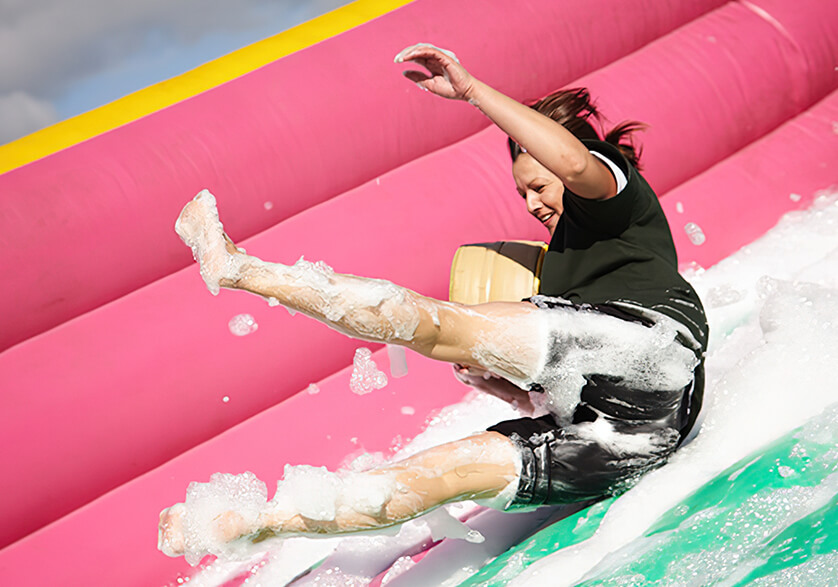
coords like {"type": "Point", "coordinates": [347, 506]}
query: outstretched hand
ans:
{"type": "Point", "coordinates": [445, 77]}
{"type": "Point", "coordinates": [496, 386]}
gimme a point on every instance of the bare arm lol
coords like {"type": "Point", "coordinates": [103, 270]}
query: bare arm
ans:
{"type": "Point", "coordinates": [543, 138]}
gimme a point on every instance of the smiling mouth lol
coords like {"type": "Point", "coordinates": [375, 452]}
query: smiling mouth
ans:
{"type": "Point", "coordinates": [544, 219]}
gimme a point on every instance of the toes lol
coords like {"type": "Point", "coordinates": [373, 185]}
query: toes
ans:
{"type": "Point", "coordinates": [170, 539]}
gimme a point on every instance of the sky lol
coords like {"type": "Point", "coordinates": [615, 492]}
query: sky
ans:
{"type": "Point", "coordinates": [59, 58]}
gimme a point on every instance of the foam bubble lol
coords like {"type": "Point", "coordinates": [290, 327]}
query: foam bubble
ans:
{"type": "Point", "coordinates": [695, 233]}
{"type": "Point", "coordinates": [242, 325]}
{"type": "Point", "coordinates": [366, 376]}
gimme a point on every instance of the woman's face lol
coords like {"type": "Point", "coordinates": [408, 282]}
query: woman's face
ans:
{"type": "Point", "coordinates": [540, 188]}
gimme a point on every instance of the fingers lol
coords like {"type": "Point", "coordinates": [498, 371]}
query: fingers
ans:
{"type": "Point", "coordinates": [416, 77]}
{"type": "Point", "coordinates": [424, 50]}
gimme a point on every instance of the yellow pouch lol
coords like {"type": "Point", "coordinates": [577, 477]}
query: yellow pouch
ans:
{"type": "Point", "coordinates": [503, 271]}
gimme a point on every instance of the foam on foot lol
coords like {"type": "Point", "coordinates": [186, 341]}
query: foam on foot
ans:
{"type": "Point", "coordinates": [213, 517]}
{"type": "Point", "coordinates": [201, 230]}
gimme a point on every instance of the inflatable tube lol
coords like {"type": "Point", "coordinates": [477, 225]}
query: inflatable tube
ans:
{"type": "Point", "coordinates": [108, 396]}
{"type": "Point", "coordinates": [781, 172]}
{"type": "Point", "coordinates": [287, 136]}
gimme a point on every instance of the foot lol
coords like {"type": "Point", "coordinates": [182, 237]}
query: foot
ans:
{"type": "Point", "coordinates": [173, 537]}
{"type": "Point", "coordinates": [171, 540]}
{"type": "Point", "coordinates": [200, 228]}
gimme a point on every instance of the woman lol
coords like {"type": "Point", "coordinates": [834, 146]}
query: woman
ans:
{"type": "Point", "coordinates": [615, 361]}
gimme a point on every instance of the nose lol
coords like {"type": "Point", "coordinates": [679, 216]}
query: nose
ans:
{"type": "Point", "coordinates": [533, 202]}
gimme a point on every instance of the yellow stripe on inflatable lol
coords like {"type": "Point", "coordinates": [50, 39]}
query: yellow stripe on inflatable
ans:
{"type": "Point", "coordinates": [153, 98]}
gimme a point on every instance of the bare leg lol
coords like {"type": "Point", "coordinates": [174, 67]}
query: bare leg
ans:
{"type": "Point", "coordinates": [500, 337]}
{"type": "Point", "coordinates": [482, 466]}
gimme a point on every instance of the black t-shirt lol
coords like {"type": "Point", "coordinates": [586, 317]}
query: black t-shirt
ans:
{"type": "Point", "coordinates": [620, 252]}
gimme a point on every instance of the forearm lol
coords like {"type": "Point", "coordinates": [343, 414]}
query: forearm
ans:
{"type": "Point", "coordinates": [543, 138]}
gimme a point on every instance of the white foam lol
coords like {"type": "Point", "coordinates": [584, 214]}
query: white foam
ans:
{"type": "Point", "coordinates": [398, 361]}
{"type": "Point", "coordinates": [756, 391]}
{"type": "Point", "coordinates": [770, 368]}
{"type": "Point", "coordinates": [443, 525]}
{"type": "Point", "coordinates": [201, 230]}
{"type": "Point", "coordinates": [242, 325]}
{"type": "Point", "coordinates": [402, 565]}
{"type": "Point", "coordinates": [695, 233]}
{"type": "Point", "coordinates": [587, 342]}
{"type": "Point", "coordinates": [372, 309]}
{"type": "Point", "coordinates": [366, 377]}
{"type": "Point", "coordinates": [205, 502]}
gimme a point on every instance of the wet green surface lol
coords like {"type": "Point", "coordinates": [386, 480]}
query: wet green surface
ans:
{"type": "Point", "coordinates": [768, 520]}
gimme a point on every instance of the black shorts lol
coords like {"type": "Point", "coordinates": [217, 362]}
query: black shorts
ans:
{"type": "Point", "coordinates": [567, 464]}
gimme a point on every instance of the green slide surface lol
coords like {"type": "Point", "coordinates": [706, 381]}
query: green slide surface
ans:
{"type": "Point", "coordinates": [770, 519]}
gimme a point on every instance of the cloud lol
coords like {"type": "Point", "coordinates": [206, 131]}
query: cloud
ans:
{"type": "Point", "coordinates": [47, 47]}
{"type": "Point", "coordinates": [45, 44]}
{"type": "Point", "coordinates": [21, 114]}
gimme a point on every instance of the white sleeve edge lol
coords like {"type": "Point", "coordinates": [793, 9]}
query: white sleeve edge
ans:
{"type": "Point", "coordinates": [618, 174]}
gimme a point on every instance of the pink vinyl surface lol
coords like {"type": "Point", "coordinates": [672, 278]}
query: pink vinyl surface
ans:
{"type": "Point", "coordinates": [90, 223]}
{"type": "Point", "coordinates": [113, 540]}
{"type": "Point", "coordinates": [781, 172]}
{"type": "Point", "coordinates": [122, 406]}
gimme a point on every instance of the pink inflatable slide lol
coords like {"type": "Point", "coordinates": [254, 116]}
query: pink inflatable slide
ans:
{"type": "Point", "coordinates": [120, 379]}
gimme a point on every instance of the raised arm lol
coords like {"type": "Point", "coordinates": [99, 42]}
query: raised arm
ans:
{"type": "Point", "coordinates": [543, 138]}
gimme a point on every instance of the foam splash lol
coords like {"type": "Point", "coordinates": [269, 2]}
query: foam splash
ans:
{"type": "Point", "coordinates": [207, 502]}
{"type": "Point", "coordinates": [741, 414]}
{"type": "Point", "coordinates": [584, 343]}
{"type": "Point", "coordinates": [366, 377]}
{"type": "Point", "coordinates": [770, 368]}
{"type": "Point", "coordinates": [242, 325]}
{"type": "Point", "coordinates": [373, 309]}
{"type": "Point", "coordinates": [319, 494]}
{"type": "Point", "coordinates": [695, 233]}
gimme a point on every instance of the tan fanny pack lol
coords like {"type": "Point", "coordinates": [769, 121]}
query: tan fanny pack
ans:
{"type": "Point", "coordinates": [503, 271]}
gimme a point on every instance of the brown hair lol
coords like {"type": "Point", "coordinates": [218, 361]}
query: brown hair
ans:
{"type": "Point", "coordinates": [574, 110]}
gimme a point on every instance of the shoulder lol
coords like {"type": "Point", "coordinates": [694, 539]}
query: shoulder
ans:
{"type": "Point", "coordinates": [613, 215]}
{"type": "Point", "coordinates": [611, 153]}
